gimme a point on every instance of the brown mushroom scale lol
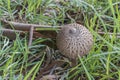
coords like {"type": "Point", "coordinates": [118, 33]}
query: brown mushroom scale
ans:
{"type": "Point", "coordinates": [73, 40]}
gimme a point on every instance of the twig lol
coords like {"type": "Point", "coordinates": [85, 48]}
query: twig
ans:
{"type": "Point", "coordinates": [30, 35]}
{"type": "Point", "coordinates": [25, 26]}
{"type": "Point", "coordinates": [11, 33]}
{"type": "Point", "coordinates": [117, 34]}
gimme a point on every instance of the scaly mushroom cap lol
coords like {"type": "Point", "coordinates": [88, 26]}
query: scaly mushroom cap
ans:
{"type": "Point", "coordinates": [73, 40]}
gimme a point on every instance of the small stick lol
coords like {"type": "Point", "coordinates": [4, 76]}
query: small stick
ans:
{"type": "Point", "coordinates": [25, 26]}
{"type": "Point", "coordinates": [11, 33]}
{"type": "Point", "coordinates": [30, 35]}
{"type": "Point", "coordinates": [117, 34]}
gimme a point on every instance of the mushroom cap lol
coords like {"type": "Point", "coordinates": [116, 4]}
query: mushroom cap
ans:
{"type": "Point", "coordinates": [73, 40]}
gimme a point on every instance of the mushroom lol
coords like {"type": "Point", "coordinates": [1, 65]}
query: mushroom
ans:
{"type": "Point", "coordinates": [73, 40]}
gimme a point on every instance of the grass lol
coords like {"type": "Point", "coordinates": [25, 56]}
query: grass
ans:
{"type": "Point", "coordinates": [17, 62]}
